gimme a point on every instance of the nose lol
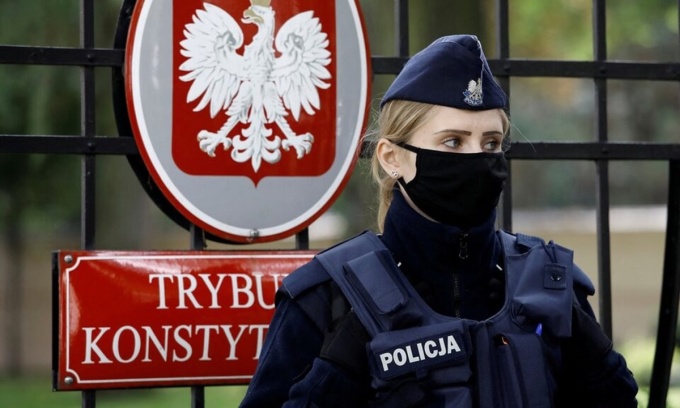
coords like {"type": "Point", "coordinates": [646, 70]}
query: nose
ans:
{"type": "Point", "coordinates": [471, 148]}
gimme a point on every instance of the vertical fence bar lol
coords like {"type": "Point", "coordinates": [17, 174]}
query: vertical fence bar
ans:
{"type": "Point", "coordinates": [401, 36]}
{"type": "Point", "coordinates": [503, 53]}
{"type": "Point", "coordinates": [602, 166]}
{"type": "Point", "coordinates": [666, 337]}
{"type": "Point", "coordinates": [302, 239]}
{"type": "Point", "coordinates": [87, 125]}
{"type": "Point", "coordinates": [197, 242]}
{"type": "Point", "coordinates": [670, 295]}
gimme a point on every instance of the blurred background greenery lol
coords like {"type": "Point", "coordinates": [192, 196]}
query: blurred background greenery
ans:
{"type": "Point", "coordinates": [40, 194]}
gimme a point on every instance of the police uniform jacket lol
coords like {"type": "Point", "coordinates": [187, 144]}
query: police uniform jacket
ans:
{"type": "Point", "coordinates": [458, 273]}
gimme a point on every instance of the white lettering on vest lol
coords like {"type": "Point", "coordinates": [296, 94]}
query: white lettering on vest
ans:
{"type": "Point", "coordinates": [427, 350]}
{"type": "Point", "coordinates": [431, 353]}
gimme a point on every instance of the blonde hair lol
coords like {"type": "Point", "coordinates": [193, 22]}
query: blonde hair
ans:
{"type": "Point", "coordinates": [397, 122]}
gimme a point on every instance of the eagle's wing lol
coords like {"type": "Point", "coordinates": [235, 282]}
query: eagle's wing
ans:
{"type": "Point", "coordinates": [210, 45]}
{"type": "Point", "coordinates": [301, 68]}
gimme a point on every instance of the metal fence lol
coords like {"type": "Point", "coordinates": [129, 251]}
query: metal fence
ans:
{"type": "Point", "coordinates": [88, 146]}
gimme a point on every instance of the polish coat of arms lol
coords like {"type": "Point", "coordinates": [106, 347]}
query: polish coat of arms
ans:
{"type": "Point", "coordinates": [272, 82]}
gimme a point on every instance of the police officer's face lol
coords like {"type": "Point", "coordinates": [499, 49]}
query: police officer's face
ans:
{"type": "Point", "coordinates": [461, 131]}
{"type": "Point", "coordinates": [454, 130]}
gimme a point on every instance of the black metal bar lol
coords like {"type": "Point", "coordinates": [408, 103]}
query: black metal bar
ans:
{"type": "Point", "coordinates": [197, 396]}
{"type": "Point", "coordinates": [653, 71]}
{"type": "Point", "coordinates": [594, 151]}
{"type": "Point", "coordinates": [104, 57]}
{"type": "Point", "coordinates": [503, 53]}
{"type": "Point", "coordinates": [67, 145]}
{"type": "Point", "coordinates": [89, 399]}
{"type": "Point", "coordinates": [401, 27]}
{"type": "Point", "coordinates": [302, 239]}
{"type": "Point", "coordinates": [604, 247]}
{"type": "Point", "coordinates": [93, 57]}
{"type": "Point", "coordinates": [79, 145]}
{"type": "Point", "coordinates": [87, 125]}
{"type": "Point", "coordinates": [502, 30]}
{"type": "Point", "coordinates": [197, 242]}
{"type": "Point", "coordinates": [602, 169]}
{"type": "Point", "coordinates": [666, 338]}
{"type": "Point", "coordinates": [387, 65]}
{"type": "Point", "coordinates": [582, 151]}
{"type": "Point", "coordinates": [670, 295]}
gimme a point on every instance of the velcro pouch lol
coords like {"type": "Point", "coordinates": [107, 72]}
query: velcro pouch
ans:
{"type": "Point", "coordinates": [380, 291]}
{"type": "Point", "coordinates": [543, 292]}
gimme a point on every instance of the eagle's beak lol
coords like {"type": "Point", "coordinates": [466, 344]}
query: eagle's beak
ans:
{"type": "Point", "coordinates": [249, 16]}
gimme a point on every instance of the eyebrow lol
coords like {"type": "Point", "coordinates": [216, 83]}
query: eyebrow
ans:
{"type": "Point", "coordinates": [466, 133]}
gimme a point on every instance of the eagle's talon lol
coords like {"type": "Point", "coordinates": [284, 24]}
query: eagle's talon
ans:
{"type": "Point", "coordinates": [301, 143]}
{"type": "Point", "coordinates": [208, 142]}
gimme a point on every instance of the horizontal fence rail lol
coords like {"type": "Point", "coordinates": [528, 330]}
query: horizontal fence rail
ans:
{"type": "Point", "coordinates": [101, 57]}
{"type": "Point", "coordinates": [102, 145]}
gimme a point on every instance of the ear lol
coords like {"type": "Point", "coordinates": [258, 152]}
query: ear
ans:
{"type": "Point", "coordinates": [387, 154]}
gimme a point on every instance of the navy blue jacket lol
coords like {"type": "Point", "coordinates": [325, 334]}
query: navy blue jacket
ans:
{"type": "Point", "coordinates": [456, 273]}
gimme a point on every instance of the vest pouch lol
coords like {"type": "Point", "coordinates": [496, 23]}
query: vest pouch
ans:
{"type": "Point", "coordinates": [379, 289]}
{"type": "Point", "coordinates": [434, 357]}
{"type": "Point", "coordinates": [519, 374]}
{"type": "Point", "coordinates": [543, 292]}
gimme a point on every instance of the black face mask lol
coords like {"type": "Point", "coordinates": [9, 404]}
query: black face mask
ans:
{"type": "Point", "coordinates": [460, 189]}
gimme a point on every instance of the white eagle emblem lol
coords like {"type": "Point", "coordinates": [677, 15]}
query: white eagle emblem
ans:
{"type": "Point", "coordinates": [256, 88]}
{"type": "Point", "coordinates": [473, 94]}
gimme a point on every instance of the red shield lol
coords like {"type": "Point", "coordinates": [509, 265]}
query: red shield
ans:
{"type": "Point", "coordinates": [255, 66]}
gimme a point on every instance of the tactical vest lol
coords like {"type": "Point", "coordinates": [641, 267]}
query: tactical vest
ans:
{"type": "Point", "coordinates": [462, 363]}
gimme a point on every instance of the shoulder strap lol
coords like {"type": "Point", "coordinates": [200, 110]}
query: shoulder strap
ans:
{"type": "Point", "coordinates": [310, 275]}
{"type": "Point", "coordinates": [359, 268]}
{"type": "Point", "coordinates": [305, 277]}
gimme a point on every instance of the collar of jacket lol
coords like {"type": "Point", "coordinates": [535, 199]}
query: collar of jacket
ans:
{"type": "Point", "coordinates": [430, 251]}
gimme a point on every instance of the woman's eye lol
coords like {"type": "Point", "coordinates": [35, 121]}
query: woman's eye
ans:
{"type": "Point", "coordinates": [452, 143]}
{"type": "Point", "coordinates": [492, 145]}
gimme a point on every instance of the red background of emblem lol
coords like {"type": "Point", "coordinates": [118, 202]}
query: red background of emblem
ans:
{"type": "Point", "coordinates": [186, 124]}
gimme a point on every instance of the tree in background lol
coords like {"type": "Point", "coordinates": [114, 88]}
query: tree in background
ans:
{"type": "Point", "coordinates": [564, 109]}
{"type": "Point", "coordinates": [39, 194]}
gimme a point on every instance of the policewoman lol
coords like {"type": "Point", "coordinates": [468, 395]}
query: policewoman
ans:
{"type": "Point", "coordinates": [440, 309]}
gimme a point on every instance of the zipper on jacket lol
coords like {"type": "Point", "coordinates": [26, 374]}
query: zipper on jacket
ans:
{"type": "Point", "coordinates": [462, 254]}
{"type": "Point", "coordinates": [456, 295]}
{"type": "Point", "coordinates": [463, 246]}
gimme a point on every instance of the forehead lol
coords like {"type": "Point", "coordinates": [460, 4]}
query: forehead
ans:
{"type": "Point", "coordinates": [447, 118]}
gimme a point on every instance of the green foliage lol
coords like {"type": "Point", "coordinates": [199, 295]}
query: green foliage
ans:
{"type": "Point", "coordinates": [32, 392]}
{"type": "Point", "coordinates": [639, 354]}
{"type": "Point", "coordinates": [563, 109]}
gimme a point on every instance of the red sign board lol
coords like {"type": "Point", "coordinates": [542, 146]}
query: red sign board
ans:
{"type": "Point", "coordinates": [140, 319]}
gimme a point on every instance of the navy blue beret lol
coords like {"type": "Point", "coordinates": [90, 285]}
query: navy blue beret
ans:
{"type": "Point", "coordinates": [452, 71]}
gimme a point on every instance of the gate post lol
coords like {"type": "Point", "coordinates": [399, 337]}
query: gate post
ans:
{"type": "Point", "coordinates": [670, 294]}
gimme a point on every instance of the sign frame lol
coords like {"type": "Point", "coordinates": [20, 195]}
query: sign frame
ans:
{"type": "Point", "coordinates": [112, 307]}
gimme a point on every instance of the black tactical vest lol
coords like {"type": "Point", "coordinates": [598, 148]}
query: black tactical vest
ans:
{"type": "Point", "coordinates": [498, 362]}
